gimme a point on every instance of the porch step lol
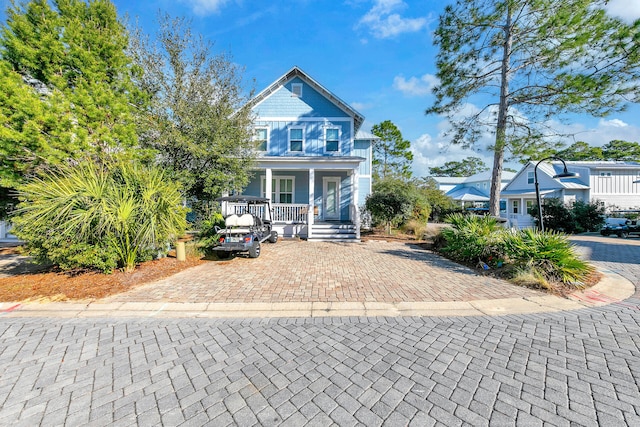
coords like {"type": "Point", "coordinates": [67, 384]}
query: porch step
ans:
{"type": "Point", "coordinates": [333, 232]}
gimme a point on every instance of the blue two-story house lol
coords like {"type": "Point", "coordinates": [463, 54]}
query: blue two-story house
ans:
{"type": "Point", "coordinates": [313, 162]}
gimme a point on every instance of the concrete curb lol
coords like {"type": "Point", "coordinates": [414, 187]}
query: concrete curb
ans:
{"type": "Point", "coordinates": [613, 288]}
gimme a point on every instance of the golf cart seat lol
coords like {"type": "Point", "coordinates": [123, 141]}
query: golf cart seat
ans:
{"type": "Point", "coordinates": [231, 221]}
{"type": "Point", "coordinates": [245, 220]}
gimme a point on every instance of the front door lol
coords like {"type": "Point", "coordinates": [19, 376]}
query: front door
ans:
{"type": "Point", "coordinates": [331, 198]}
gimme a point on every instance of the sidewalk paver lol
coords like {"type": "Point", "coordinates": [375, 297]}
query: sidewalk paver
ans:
{"type": "Point", "coordinates": [299, 271]}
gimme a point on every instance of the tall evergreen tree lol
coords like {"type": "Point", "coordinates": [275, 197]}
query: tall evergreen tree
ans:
{"type": "Point", "coordinates": [465, 167]}
{"type": "Point", "coordinates": [392, 154]}
{"type": "Point", "coordinates": [534, 59]}
{"type": "Point", "coordinates": [67, 88]}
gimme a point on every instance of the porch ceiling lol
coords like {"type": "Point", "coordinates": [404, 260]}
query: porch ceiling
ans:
{"type": "Point", "coordinates": [309, 162]}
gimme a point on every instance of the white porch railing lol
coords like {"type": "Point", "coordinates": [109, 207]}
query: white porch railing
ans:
{"type": "Point", "coordinates": [290, 213]}
{"type": "Point", "coordinates": [520, 221]}
{"type": "Point", "coordinates": [286, 213]}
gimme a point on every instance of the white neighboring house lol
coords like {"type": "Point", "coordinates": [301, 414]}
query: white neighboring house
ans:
{"type": "Point", "coordinates": [473, 190]}
{"type": "Point", "coordinates": [607, 182]}
{"type": "Point", "coordinates": [5, 233]}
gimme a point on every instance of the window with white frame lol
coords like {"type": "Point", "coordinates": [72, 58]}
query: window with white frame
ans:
{"type": "Point", "coordinates": [282, 188]}
{"type": "Point", "coordinates": [529, 206]}
{"type": "Point", "coordinates": [530, 178]}
{"type": "Point", "coordinates": [260, 137]}
{"type": "Point", "coordinates": [296, 139]}
{"type": "Point", "coordinates": [514, 206]}
{"type": "Point", "coordinates": [296, 89]}
{"type": "Point", "coordinates": [331, 139]}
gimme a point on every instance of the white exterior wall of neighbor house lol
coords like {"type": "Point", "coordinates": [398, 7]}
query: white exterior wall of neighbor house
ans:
{"type": "Point", "coordinates": [610, 183]}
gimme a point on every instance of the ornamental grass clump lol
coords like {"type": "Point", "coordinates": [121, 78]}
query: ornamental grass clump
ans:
{"type": "Point", "coordinates": [99, 216]}
{"type": "Point", "coordinates": [523, 256]}
{"type": "Point", "coordinates": [473, 239]}
{"type": "Point", "coordinates": [549, 256]}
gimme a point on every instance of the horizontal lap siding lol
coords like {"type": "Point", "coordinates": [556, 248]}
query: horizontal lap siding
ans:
{"type": "Point", "coordinates": [314, 139]}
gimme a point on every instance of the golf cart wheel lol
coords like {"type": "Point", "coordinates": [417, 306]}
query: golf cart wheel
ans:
{"type": "Point", "coordinates": [254, 250]}
{"type": "Point", "coordinates": [224, 254]}
{"type": "Point", "coordinates": [624, 234]}
{"type": "Point", "coordinates": [273, 237]}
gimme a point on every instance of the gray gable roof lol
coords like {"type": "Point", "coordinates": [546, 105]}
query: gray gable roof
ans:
{"type": "Point", "coordinates": [294, 72]}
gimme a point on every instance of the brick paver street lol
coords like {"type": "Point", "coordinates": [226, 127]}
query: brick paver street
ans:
{"type": "Point", "coordinates": [580, 367]}
{"type": "Point", "coordinates": [323, 271]}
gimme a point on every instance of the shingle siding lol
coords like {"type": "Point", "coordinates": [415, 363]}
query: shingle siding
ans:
{"type": "Point", "coordinates": [282, 103]}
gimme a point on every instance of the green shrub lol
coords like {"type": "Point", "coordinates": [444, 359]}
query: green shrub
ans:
{"type": "Point", "coordinates": [99, 216]}
{"type": "Point", "coordinates": [473, 239]}
{"type": "Point", "coordinates": [547, 254]}
{"type": "Point", "coordinates": [528, 256]}
{"type": "Point", "coordinates": [208, 237]}
{"type": "Point", "coordinates": [575, 218]}
{"type": "Point", "coordinates": [588, 216]}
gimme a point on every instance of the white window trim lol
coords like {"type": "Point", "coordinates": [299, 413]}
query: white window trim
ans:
{"type": "Point", "coordinates": [276, 190]}
{"type": "Point", "coordinates": [268, 137]}
{"type": "Point", "coordinates": [295, 86]}
{"type": "Point", "coordinates": [531, 179]}
{"type": "Point", "coordinates": [528, 205]}
{"type": "Point", "coordinates": [339, 129]}
{"type": "Point", "coordinates": [289, 139]}
{"type": "Point", "coordinates": [515, 204]}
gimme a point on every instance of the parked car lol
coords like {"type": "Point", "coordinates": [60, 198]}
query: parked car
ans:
{"type": "Point", "coordinates": [621, 227]}
{"type": "Point", "coordinates": [247, 225]}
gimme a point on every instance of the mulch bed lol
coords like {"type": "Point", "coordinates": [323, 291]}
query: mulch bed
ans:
{"type": "Point", "coordinates": [62, 286]}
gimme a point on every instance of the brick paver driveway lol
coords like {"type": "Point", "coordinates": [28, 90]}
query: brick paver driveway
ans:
{"type": "Point", "coordinates": [320, 271]}
{"type": "Point", "coordinates": [558, 369]}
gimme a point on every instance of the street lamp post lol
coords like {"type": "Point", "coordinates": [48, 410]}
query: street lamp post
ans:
{"type": "Point", "coordinates": [565, 174]}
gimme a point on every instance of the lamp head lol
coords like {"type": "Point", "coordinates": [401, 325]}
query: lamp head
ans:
{"type": "Point", "coordinates": [566, 174]}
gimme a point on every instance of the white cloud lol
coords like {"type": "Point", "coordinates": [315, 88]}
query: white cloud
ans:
{"type": "Point", "coordinates": [428, 153]}
{"type": "Point", "coordinates": [626, 10]}
{"type": "Point", "coordinates": [384, 23]}
{"type": "Point", "coordinates": [616, 123]}
{"type": "Point", "coordinates": [415, 86]}
{"type": "Point", "coordinates": [361, 106]}
{"type": "Point", "coordinates": [205, 7]}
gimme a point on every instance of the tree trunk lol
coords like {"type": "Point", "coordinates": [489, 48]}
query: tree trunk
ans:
{"type": "Point", "coordinates": [501, 127]}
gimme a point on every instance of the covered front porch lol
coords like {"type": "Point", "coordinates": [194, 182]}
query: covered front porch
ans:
{"type": "Point", "coordinates": [311, 198]}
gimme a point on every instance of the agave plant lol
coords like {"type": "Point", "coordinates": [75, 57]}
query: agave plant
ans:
{"type": "Point", "coordinates": [99, 216]}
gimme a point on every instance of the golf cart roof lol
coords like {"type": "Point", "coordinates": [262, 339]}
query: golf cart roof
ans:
{"type": "Point", "coordinates": [243, 199]}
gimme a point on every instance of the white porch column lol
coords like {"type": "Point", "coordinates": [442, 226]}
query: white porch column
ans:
{"type": "Point", "coordinates": [355, 196]}
{"type": "Point", "coordinates": [267, 184]}
{"type": "Point", "coordinates": [312, 199]}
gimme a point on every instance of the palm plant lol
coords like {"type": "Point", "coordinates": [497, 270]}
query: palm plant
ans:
{"type": "Point", "coordinates": [99, 216]}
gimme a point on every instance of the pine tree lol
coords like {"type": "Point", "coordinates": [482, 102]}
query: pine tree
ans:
{"type": "Point", "coordinates": [67, 87]}
{"type": "Point", "coordinates": [534, 60]}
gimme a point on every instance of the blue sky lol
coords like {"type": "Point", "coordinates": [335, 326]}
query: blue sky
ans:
{"type": "Point", "coordinates": [377, 55]}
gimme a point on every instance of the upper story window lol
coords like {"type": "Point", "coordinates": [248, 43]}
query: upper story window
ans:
{"type": "Point", "coordinates": [296, 89]}
{"type": "Point", "coordinates": [332, 139]}
{"type": "Point", "coordinates": [605, 173]}
{"type": "Point", "coordinates": [530, 178]}
{"type": "Point", "coordinates": [296, 139]}
{"type": "Point", "coordinates": [260, 137]}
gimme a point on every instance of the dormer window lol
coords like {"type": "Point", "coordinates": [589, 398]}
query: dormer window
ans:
{"type": "Point", "coordinates": [296, 89]}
